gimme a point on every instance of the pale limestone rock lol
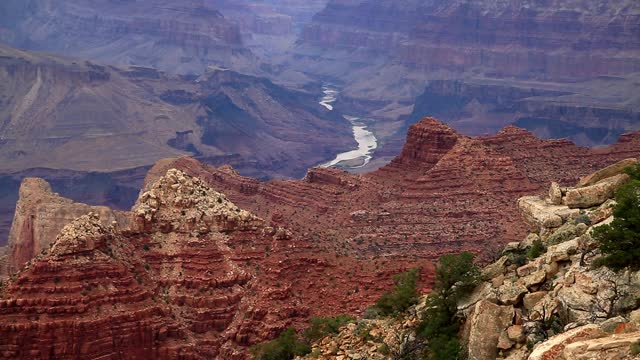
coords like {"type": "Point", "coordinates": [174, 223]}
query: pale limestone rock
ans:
{"type": "Point", "coordinates": [533, 279]}
{"type": "Point", "coordinates": [602, 212]}
{"type": "Point", "coordinates": [497, 268]}
{"type": "Point", "coordinates": [487, 322]}
{"type": "Point", "coordinates": [609, 171]}
{"type": "Point", "coordinates": [84, 234]}
{"type": "Point", "coordinates": [555, 194]}
{"type": "Point", "coordinates": [511, 294]}
{"type": "Point", "coordinates": [562, 252]}
{"type": "Point", "coordinates": [612, 347]}
{"type": "Point", "coordinates": [531, 300]}
{"type": "Point", "coordinates": [553, 348]}
{"type": "Point", "coordinates": [596, 194]}
{"type": "Point", "coordinates": [178, 202]}
{"type": "Point", "coordinates": [538, 213]}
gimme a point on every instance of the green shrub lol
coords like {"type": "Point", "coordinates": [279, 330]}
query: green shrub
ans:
{"type": "Point", "coordinates": [620, 240]}
{"type": "Point", "coordinates": [456, 277]}
{"type": "Point", "coordinates": [284, 347]}
{"type": "Point", "coordinates": [635, 348]}
{"type": "Point", "coordinates": [289, 345]}
{"type": "Point", "coordinates": [384, 349]}
{"type": "Point", "coordinates": [583, 219]}
{"type": "Point", "coordinates": [536, 249]}
{"type": "Point", "coordinates": [402, 297]}
{"type": "Point", "coordinates": [323, 326]}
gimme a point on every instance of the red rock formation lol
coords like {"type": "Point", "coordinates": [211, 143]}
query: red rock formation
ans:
{"type": "Point", "coordinates": [198, 277]}
{"type": "Point", "coordinates": [40, 215]}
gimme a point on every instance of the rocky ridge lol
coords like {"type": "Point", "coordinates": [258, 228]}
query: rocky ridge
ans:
{"type": "Point", "coordinates": [324, 245]}
{"type": "Point", "coordinates": [554, 306]}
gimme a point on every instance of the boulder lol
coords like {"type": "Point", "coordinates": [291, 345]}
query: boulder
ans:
{"type": "Point", "coordinates": [562, 252]}
{"type": "Point", "coordinates": [554, 347]}
{"type": "Point", "coordinates": [511, 293]}
{"type": "Point", "coordinates": [538, 213]}
{"type": "Point", "coordinates": [531, 300]}
{"type": "Point", "coordinates": [516, 333]}
{"type": "Point", "coordinates": [495, 269]}
{"type": "Point", "coordinates": [555, 194]}
{"type": "Point", "coordinates": [594, 195]}
{"type": "Point", "coordinates": [533, 279]}
{"type": "Point", "coordinates": [617, 346]}
{"type": "Point", "coordinates": [634, 316]}
{"type": "Point", "coordinates": [487, 323]}
{"type": "Point", "coordinates": [609, 171]}
{"type": "Point", "coordinates": [566, 232]}
{"type": "Point", "coordinates": [602, 212]}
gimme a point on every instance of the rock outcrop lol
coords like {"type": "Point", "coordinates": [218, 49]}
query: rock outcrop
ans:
{"type": "Point", "coordinates": [40, 215]}
{"type": "Point", "coordinates": [567, 308]}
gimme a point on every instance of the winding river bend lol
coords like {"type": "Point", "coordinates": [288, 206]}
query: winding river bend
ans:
{"type": "Point", "coordinates": [367, 142]}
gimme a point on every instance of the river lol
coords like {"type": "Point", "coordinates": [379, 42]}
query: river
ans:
{"type": "Point", "coordinates": [367, 142]}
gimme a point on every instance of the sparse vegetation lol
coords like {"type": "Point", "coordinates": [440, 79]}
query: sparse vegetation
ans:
{"type": "Point", "coordinates": [289, 344]}
{"type": "Point", "coordinates": [323, 326]}
{"type": "Point", "coordinates": [635, 348]}
{"type": "Point", "coordinates": [536, 249]}
{"type": "Point", "coordinates": [285, 347]}
{"type": "Point", "coordinates": [620, 240]}
{"type": "Point", "coordinates": [401, 298]}
{"type": "Point", "coordinates": [456, 277]}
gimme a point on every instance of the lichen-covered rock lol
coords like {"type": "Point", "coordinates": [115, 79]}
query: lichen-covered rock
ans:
{"type": "Point", "coordinates": [179, 202]}
{"type": "Point", "coordinates": [555, 194]}
{"type": "Point", "coordinates": [511, 293]}
{"type": "Point", "coordinates": [82, 235]}
{"type": "Point", "coordinates": [594, 195]}
{"type": "Point", "coordinates": [566, 232]}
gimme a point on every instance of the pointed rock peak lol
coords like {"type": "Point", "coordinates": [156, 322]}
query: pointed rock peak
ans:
{"type": "Point", "coordinates": [182, 203]}
{"type": "Point", "coordinates": [34, 187]}
{"type": "Point", "coordinates": [427, 142]}
{"type": "Point", "coordinates": [84, 234]}
{"type": "Point", "coordinates": [433, 125]}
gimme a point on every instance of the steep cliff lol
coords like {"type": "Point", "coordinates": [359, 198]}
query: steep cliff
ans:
{"type": "Point", "coordinates": [185, 37]}
{"type": "Point", "coordinates": [67, 114]}
{"type": "Point", "coordinates": [561, 68]}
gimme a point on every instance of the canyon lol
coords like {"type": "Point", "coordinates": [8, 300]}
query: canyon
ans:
{"type": "Point", "coordinates": [184, 38]}
{"type": "Point", "coordinates": [284, 250]}
{"type": "Point", "coordinates": [545, 66]}
{"type": "Point", "coordinates": [67, 119]}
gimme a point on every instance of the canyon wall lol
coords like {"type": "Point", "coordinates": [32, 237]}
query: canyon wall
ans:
{"type": "Point", "coordinates": [391, 55]}
{"type": "Point", "coordinates": [185, 37]}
